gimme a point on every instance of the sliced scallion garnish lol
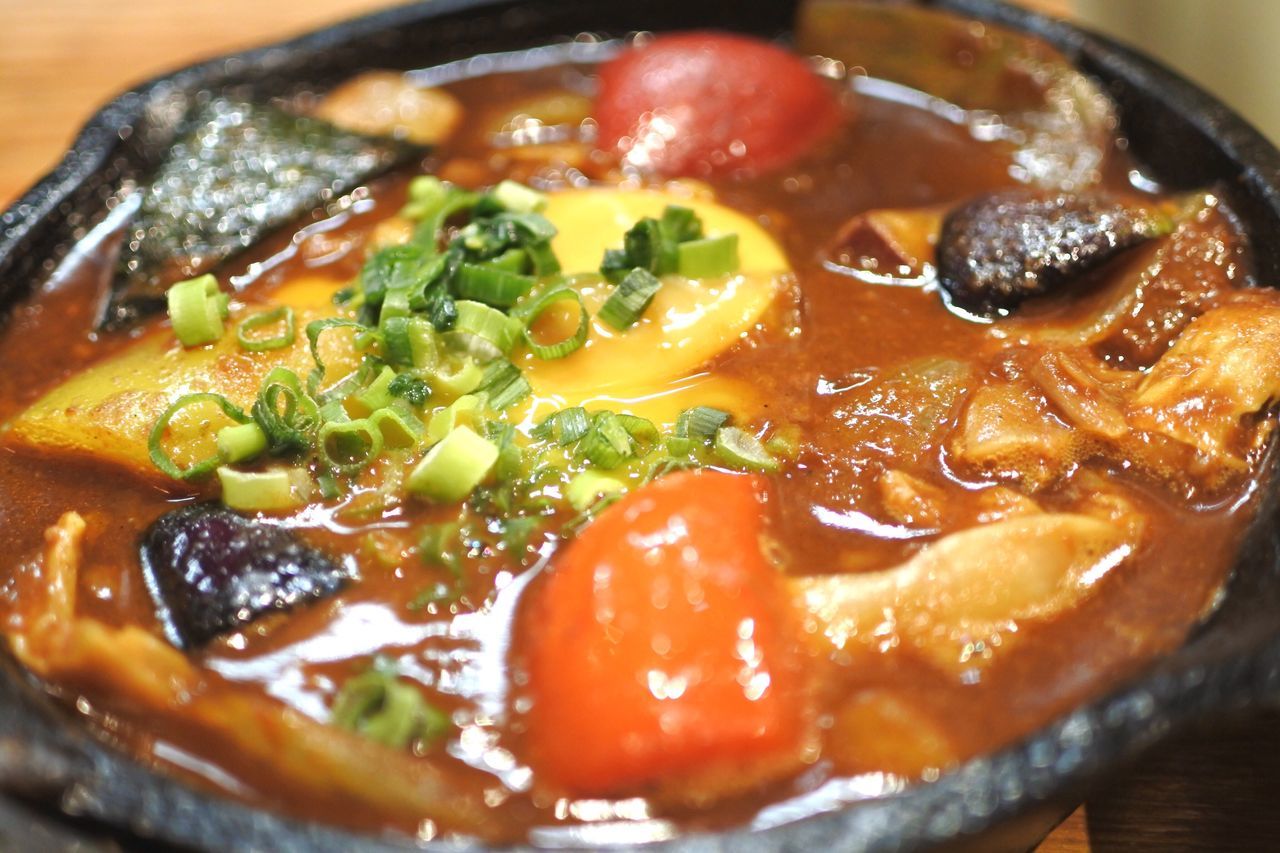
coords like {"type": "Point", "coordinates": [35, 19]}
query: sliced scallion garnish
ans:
{"type": "Point", "coordinates": [478, 322]}
{"type": "Point", "coordinates": [518, 198]}
{"type": "Point", "coordinates": [740, 449]}
{"type": "Point", "coordinates": [531, 311]}
{"type": "Point", "coordinates": [503, 385]}
{"type": "Point", "coordinates": [241, 442]}
{"type": "Point", "coordinates": [287, 414]}
{"type": "Point", "coordinates": [380, 707]}
{"type": "Point", "coordinates": [349, 447]}
{"type": "Point", "coordinates": [709, 257]}
{"type": "Point", "coordinates": [589, 486]}
{"type": "Point", "coordinates": [454, 467]}
{"type": "Point", "coordinates": [155, 446]}
{"type": "Point", "coordinates": [282, 316]}
{"type": "Point", "coordinates": [197, 309]}
{"type": "Point", "coordinates": [563, 427]}
{"type": "Point", "coordinates": [259, 491]}
{"type": "Point", "coordinates": [630, 299]}
{"type": "Point", "coordinates": [491, 285]}
{"type": "Point", "coordinates": [700, 422]}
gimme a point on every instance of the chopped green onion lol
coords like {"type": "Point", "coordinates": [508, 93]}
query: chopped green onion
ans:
{"type": "Point", "coordinates": [263, 319]}
{"type": "Point", "coordinates": [629, 299]}
{"type": "Point", "coordinates": [647, 249]}
{"type": "Point", "coordinates": [197, 309]}
{"type": "Point", "coordinates": [709, 257]}
{"type": "Point", "coordinates": [287, 415]}
{"type": "Point", "coordinates": [503, 385]}
{"type": "Point", "coordinates": [377, 395]}
{"type": "Point", "coordinates": [454, 467]}
{"type": "Point", "coordinates": [518, 198]}
{"type": "Point", "coordinates": [395, 305]}
{"type": "Point", "coordinates": [494, 331]}
{"type": "Point", "coordinates": [680, 224]}
{"type": "Point", "coordinates": [464, 377]}
{"type": "Point", "coordinates": [380, 707]}
{"type": "Point", "coordinates": [399, 427]}
{"type": "Point", "coordinates": [700, 422]}
{"type": "Point", "coordinates": [461, 412]}
{"type": "Point", "coordinates": [740, 449]}
{"type": "Point", "coordinates": [241, 442]}
{"type": "Point", "coordinates": [563, 427]}
{"type": "Point", "coordinates": [438, 545]}
{"type": "Point", "coordinates": [584, 489]}
{"type": "Point", "coordinates": [314, 330]}
{"type": "Point", "coordinates": [162, 460]}
{"type": "Point", "coordinates": [349, 447]}
{"type": "Point", "coordinates": [259, 491]}
{"type": "Point", "coordinates": [607, 444]}
{"type": "Point", "coordinates": [641, 429]}
{"type": "Point", "coordinates": [491, 285]}
{"type": "Point", "coordinates": [531, 311]}
{"type": "Point", "coordinates": [427, 194]}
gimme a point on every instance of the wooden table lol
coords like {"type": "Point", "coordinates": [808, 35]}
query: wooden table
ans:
{"type": "Point", "coordinates": [59, 59]}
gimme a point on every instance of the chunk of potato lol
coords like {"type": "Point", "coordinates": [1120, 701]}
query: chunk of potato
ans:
{"type": "Point", "coordinates": [967, 588]}
{"type": "Point", "coordinates": [386, 103]}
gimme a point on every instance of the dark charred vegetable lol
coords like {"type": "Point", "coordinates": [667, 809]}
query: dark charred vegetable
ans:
{"type": "Point", "coordinates": [237, 171]}
{"type": "Point", "coordinates": [210, 570]}
{"type": "Point", "coordinates": [1000, 249]}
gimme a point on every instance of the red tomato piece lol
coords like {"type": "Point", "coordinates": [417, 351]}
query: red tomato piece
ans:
{"type": "Point", "coordinates": [661, 643]}
{"type": "Point", "coordinates": [700, 104]}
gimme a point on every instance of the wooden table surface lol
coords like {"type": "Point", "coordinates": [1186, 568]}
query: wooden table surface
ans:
{"type": "Point", "coordinates": [60, 59]}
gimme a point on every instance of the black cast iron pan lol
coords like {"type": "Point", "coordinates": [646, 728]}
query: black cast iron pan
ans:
{"type": "Point", "coordinates": [51, 766]}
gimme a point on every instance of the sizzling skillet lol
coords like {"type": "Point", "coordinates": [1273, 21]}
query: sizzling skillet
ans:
{"type": "Point", "coordinates": [1229, 660]}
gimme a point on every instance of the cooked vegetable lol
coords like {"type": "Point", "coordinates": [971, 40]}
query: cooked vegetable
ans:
{"type": "Point", "coordinates": [237, 170]}
{"type": "Point", "coordinates": [210, 570]}
{"type": "Point", "coordinates": [711, 103]}
{"type": "Point", "coordinates": [633, 643]}
{"type": "Point", "coordinates": [998, 250]}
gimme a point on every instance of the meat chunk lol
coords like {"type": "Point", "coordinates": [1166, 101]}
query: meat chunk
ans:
{"type": "Point", "coordinates": [1225, 366]}
{"type": "Point", "coordinates": [965, 593]}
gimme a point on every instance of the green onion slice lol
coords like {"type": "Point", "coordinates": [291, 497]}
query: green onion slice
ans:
{"type": "Point", "coordinates": [282, 315]}
{"type": "Point", "coordinates": [260, 491]}
{"type": "Point", "coordinates": [563, 427]}
{"type": "Point", "coordinates": [349, 447]}
{"type": "Point", "coordinates": [491, 285]}
{"type": "Point", "coordinates": [314, 330]}
{"type": "Point", "coordinates": [161, 458]}
{"type": "Point", "coordinates": [607, 443]}
{"type": "Point", "coordinates": [380, 707]}
{"type": "Point", "coordinates": [287, 414]}
{"type": "Point", "coordinates": [700, 422]}
{"type": "Point", "coordinates": [589, 486]}
{"type": "Point", "coordinates": [454, 467]}
{"type": "Point", "coordinates": [493, 331]}
{"type": "Point", "coordinates": [709, 257]}
{"type": "Point", "coordinates": [197, 309]}
{"type": "Point", "coordinates": [518, 198]}
{"type": "Point", "coordinates": [630, 299]}
{"type": "Point", "coordinates": [740, 449]}
{"type": "Point", "coordinates": [241, 442]}
{"type": "Point", "coordinates": [503, 385]}
{"type": "Point", "coordinates": [530, 312]}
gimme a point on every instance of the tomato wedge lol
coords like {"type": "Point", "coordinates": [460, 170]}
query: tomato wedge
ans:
{"type": "Point", "coordinates": [661, 643]}
{"type": "Point", "coordinates": [701, 104]}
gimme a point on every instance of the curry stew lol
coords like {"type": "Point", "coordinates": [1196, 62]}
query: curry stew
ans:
{"type": "Point", "coordinates": [680, 431]}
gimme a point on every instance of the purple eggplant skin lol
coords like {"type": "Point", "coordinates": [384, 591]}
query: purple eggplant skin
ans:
{"type": "Point", "coordinates": [1000, 249]}
{"type": "Point", "coordinates": [211, 570]}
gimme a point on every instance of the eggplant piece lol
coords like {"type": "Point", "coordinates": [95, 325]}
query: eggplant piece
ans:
{"type": "Point", "coordinates": [210, 570]}
{"type": "Point", "coordinates": [237, 171]}
{"type": "Point", "coordinates": [1000, 249]}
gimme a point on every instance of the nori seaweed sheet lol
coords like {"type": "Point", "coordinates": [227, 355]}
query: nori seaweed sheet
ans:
{"type": "Point", "coordinates": [237, 171]}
